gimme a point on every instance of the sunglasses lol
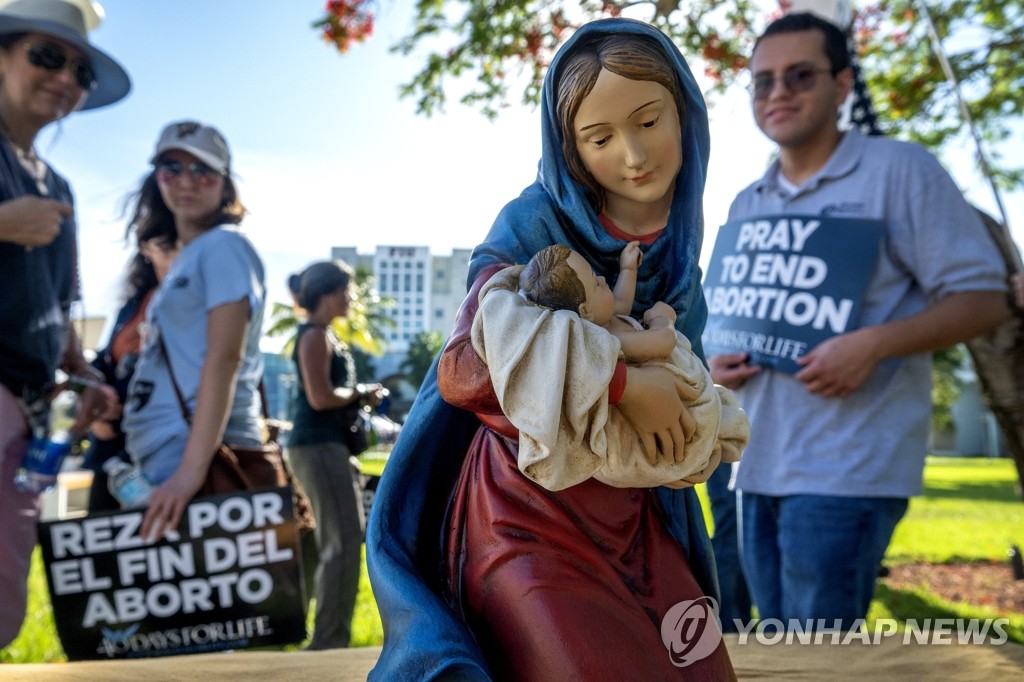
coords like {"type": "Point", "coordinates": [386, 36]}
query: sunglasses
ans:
{"type": "Point", "coordinates": [52, 58]}
{"type": "Point", "coordinates": [170, 169]}
{"type": "Point", "coordinates": [161, 245]}
{"type": "Point", "coordinates": [794, 79]}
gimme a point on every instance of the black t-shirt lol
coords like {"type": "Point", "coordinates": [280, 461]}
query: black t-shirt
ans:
{"type": "Point", "coordinates": [38, 286]}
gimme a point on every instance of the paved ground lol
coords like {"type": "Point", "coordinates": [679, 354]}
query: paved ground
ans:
{"type": "Point", "coordinates": [890, 660]}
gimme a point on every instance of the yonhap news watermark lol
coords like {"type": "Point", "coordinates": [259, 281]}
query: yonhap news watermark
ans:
{"type": "Point", "coordinates": [691, 631]}
{"type": "Point", "coordinates": [914, 631]}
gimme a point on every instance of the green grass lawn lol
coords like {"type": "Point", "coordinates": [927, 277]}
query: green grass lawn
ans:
{"type": "Point", "coordinates": [968, 513]}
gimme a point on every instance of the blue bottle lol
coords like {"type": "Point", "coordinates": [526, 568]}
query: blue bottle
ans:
{"type": "Point", "coordinates": [42, 462]}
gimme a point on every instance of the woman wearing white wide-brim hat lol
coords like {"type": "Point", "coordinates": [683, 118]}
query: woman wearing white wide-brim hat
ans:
{"type": "Point", "coordinates": [48, 69]}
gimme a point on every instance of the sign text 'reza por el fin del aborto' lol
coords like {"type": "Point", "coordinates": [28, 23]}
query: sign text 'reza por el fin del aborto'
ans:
{"type": "Point", "coordinates": [229, 578]}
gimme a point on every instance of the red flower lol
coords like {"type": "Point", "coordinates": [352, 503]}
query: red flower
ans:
{"type": "Point", "coordinates": [346, 22]}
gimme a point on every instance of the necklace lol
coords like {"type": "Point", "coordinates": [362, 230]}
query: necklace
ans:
{"type": "Point", "coordinates": [28, 159]}
{"type": "Point", "coordinates": [35, 167]}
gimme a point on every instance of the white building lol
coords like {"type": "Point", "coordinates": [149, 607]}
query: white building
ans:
{"type": "Point", "coordinates": [427, 291]}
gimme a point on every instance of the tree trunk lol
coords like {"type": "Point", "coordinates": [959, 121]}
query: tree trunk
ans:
{"type": "Point", "coordinates": [999, 358]}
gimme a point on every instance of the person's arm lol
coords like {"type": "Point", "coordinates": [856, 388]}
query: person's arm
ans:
{"type": "Point", "coordinates": [225, 338]}
{"type": "Point", "coordinates": [31, 220]}
{"type": "Point", "coordinates": [96, 399]}
{"type": "Point", "coordinates": [625, 285]}
{"type": "Point", "coordinates": [840, 365]}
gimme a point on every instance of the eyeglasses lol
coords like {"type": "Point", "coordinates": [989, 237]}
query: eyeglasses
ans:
{"type": "Point", "coordinates": [199, 172]}
{"type": "Point", "coordinates": [794, 79]}
{"type": "Point", "coordinates": [52, 58]}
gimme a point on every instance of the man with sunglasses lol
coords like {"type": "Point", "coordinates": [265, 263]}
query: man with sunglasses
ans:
{"type": "Point", "coordinates": [837, 448]}
{"type": "Point", "coordinates": [48, 69]}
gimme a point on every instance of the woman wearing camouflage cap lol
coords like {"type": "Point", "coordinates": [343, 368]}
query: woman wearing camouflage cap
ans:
{"type": "Point", "coordinates": [203, 325]}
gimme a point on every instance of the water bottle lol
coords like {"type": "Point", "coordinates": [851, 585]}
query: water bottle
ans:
{"type": "Point", "coordinates": [126, 483]}
{"type": "Point", "coordinates": [42, 462]}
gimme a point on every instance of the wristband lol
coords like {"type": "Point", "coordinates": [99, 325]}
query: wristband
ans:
{"type": "Point", "coordinates": [78, 383]}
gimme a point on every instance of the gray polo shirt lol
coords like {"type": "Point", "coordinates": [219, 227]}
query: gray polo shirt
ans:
{"type": "Point", "coordinates": [872, 443]}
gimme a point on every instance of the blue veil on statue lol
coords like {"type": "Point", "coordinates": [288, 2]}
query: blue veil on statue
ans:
{"type": "Point", "coordinates": [424, 637]}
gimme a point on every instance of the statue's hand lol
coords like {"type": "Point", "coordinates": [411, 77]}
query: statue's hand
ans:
{"type": "Point", "coordinates": [654, 405]}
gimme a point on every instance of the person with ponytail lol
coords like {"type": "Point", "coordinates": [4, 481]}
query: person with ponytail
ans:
{"type": "Point", "coordinates": [327, 402]}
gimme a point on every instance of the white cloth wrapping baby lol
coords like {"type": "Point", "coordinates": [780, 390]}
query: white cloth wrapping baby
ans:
{"type": "Point", "coordinates": [551, 371]}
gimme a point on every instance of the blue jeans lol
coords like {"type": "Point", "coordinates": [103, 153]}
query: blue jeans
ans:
{"type": "Point", "coordinates": [735, 598]}
{"type": "Point", "coordinates": [811, 557]}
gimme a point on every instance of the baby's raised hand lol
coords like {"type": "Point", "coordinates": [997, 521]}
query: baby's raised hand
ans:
{"type": "Point", "coordinates": [631, 256]}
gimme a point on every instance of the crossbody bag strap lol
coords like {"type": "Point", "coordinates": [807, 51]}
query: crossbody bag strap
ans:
{"type": "Point", "coordinates": [174, 382]}
{"type": "Point", "coordinates": [223, 454]}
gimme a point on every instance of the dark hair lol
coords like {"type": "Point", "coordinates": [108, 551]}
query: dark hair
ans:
{"type": "Point", "coordinates": [147, 223]}
{"type": "Point", "coordinates": [549, 280]}
{"type": "Point", "coordinates": [8, 39]}
{"type": "Point", "coordinates": [631, 56]}
{"type": "Point", "coordinates": [834, 41]}
{"type": "Point", "coordinates": [295, 284]}
{"type": "Point", "coordinates": [141, 273]}
{"type": "Point", "coordinates": [318, 280]}
{"type": "Point", "coordinates": [150, 216]}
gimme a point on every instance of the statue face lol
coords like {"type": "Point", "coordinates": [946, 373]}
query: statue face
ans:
{"type": "Point", "coordinates": [627, 134]}
{"type": "Point", "coordinates": [600, 304]}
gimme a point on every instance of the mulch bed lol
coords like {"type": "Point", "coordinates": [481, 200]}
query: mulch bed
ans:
{"type": "Point", "coordinates": [991, 585]}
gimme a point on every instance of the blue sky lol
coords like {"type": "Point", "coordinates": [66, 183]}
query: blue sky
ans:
{"type": "Point", "coordinates": [324, 151]}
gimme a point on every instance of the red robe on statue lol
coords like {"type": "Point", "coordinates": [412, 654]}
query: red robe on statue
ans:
{"type": "Point", "coordinates": [563, 585]}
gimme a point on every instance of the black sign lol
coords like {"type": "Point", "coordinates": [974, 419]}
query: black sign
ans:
{"type": "Point", "coordinates": [228, 579]}
{"type": "Point", "coordinates": [779, 285]}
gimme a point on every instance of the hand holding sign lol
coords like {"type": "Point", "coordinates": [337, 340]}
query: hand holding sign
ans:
{"type": "Point", "coordinates": [731, 369]}
{"type": "Point", "coordinates": [167, 503]}
{"type": "Point", "coordinates": [837, 367]}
